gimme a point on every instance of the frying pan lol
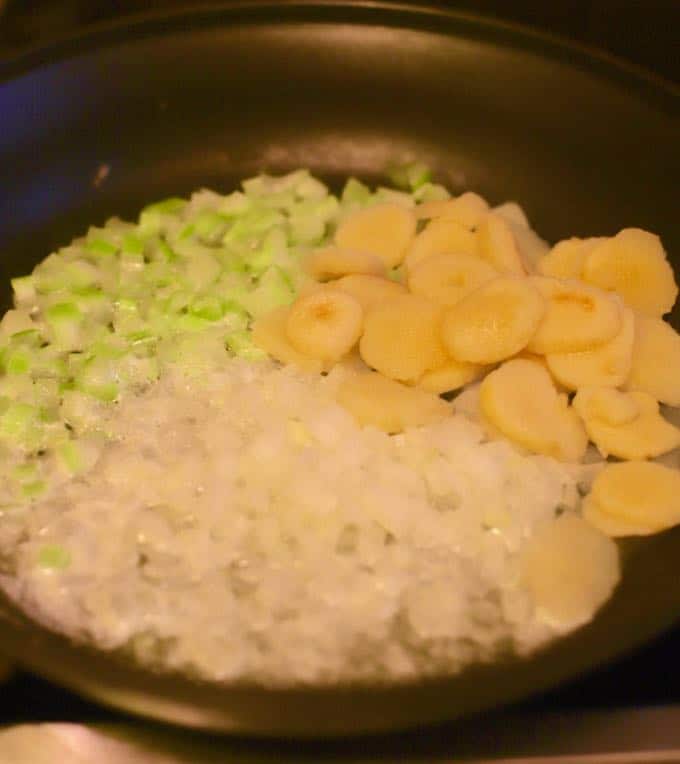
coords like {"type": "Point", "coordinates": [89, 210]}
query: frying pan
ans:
{"type": "Point", "coordinates": [104, 123]}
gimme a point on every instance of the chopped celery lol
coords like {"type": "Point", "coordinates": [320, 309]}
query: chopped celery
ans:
{"type": "Point", "coordinates": [431, 192]}
{"type": "Point", "coordinates": [208, 307]}
{"type": "Point", "coordinates": [34, 489]}
{"type": "Point", "coordinates": [15, 321]}
{"type": "Point", "coordinates": [153, 216]}
{"type": "Point", "coordinates": [16, 361]}
{"type": "Point", "coordinates": [210, 226]}
{"type": "Point", "coordinates": [383, 194]}
{"type": "Point", "coordinates": [101, 248]}
{"type": "Point", "coordinates": [24, 290]}
{"type": "Point", "coordinates": [54, 557]}
{"type": "Point", "coordinates": [132, 245]}
{"type": "Point", "coordinates": [355, 193]}
{"type": "Point", "coordinates": [273, 290]}
{"type": "Point", "coordinates": [409, 176]}
{"type": "Point", "coordinates": [65, 322]}
{"type": "Point", "coordinates": [241, 344]}
{"type": "Point", "coordinates": [78, 455]}
{"type": "Point", "coordinates": [20, 424]}
{"type": "Point", "coordinates": [170, 206]}
{"type": "Point", "coordinates": [98, 378]}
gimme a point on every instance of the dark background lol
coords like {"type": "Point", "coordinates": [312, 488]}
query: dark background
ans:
{"type": "Point", "coordinates": [643, 32]}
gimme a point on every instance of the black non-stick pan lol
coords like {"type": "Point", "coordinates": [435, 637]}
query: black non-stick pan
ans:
{"type": "Point", "coordinates": [102, 124]}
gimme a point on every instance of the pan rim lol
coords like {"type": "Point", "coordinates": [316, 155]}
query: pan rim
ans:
{"type": "Point", "coordinates": [416, 14]}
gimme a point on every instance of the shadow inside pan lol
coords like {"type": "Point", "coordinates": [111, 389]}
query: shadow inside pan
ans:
{"type": "Point", "coordinates": [102, 125]}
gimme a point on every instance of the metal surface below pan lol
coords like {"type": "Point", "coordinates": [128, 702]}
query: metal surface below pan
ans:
{"type": "Point", "coordinates": [100, 125]}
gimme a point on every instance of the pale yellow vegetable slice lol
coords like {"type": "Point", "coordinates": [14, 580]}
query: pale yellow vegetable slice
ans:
{"type": "Point", "coordinates": [494, 322]}
{"type": "Point", "coordinates": [612, 526]}
{"type": "Point", "coordinates": [333, 263]}
{"type": "Point", "coordinates": [637, 493]}
{"type": "Point", "coordinates": [375, 400]}
{"type": "Point", "coordinates": [468, 209]}
{"type": "Point", "coordinates": [567, 258]}
{"type": "Point", "coordinates": [520, 400]}
{"type": "Point", "coordinates": [497, 245]}
{"type": "Point", "coordinates": [269, 334]}
{"type": "Point", "coordinates": [610, 406]}
{"type": "Point", "coordinates": [608, 365]}
{"type": "Point", "coordinates": [324, 324]}
{"type": "Point", "coordinates": [369, 290]}
{"type": "Point", "coordinates": [446, 279]}
{"type": "Point", "coordinates": [385, 230]}
{"type": "Point", "coordinates": [512, 213]}
{"type": "Point", "coordinates": [571, 570]}
{"type": "Point", "coordinates": [441, 237]}
{"type": "Point", "coordinates": [644, 436]}
{"type": "Point", "coordinates": [401, 338]}
{"type": "Point", "coordinates": [451, 376]}
{"type": "Point", "coordinates": [578, 317]}
{"type": "Point", "coordinates": [633, 264]}
{"type": "Point", "coordinates": [655, 367]}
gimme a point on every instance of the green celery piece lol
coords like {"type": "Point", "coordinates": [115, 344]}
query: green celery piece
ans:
{"type": "Point", "coordinates": [187, 231]}
{"type": "Point", "coordinates": [34, 489]}
{"type": "Point", "coordinates": [170, 206]}
{"type": "Point", "coordinates": [132, 244]}
{"type": "Point", "coordinates": [189, 323]}
{"type": "Point", "coordinates": [153, 217]}
{"type": "Point", "coordinates": [29, 338]}
{"type": "Point", "coordinates": [101, 248]}
{"type": "Point", "coordinates": [24, 290]}
{"type": "Point", "coordinates": [161, 250]}
{"type": "Point", "coordinates": [50, 275]}
{"type": "Point", "coordinates": [131, 262]}
{"type": "Point", "coordinates": [177, 302]}
{"type": "Point", "coordinates": [98, 378]}
{"type": "Point", "coordinates": [310, 187]}
{"type": "Point", "coordinates": [383, 194]}
{"type": "Point", "coordinates": [431, 192]}
{"type": "Point", "coordinates": [210, 226]}
{"type": "Point", "coordinates": [94, 303]}
{"type": "Point", "coordinates": [234, 204]}
{"type": "Point", "coordinates": [273, 290]}
{"type": "Point", "coordinates": [234, 317]}
{"type": "Point", "coordinates": [80, 274]}
{"type": "Point", "coordinates": [409, 176]}
{"type": "Point", "coordinates": [252, 226]}
{"type": "Point", "coordinates": [15, 388]}
{"type": "Point", "coordinates": [18, 421]}
{"type": "Point", "coordinates": [17, 361]}
{"type": "Point", "coordinates": [201, 267]}
{"type": "Point", "coordinates": [143, 343]}
{"type": "Point", "coordinates": [54, 557]}
{"type": "Point", "coordinates": [308, 219]}
{"type": "Point", "coordinates": [208, 307]}
{"type": "Point", "coordinates": [240, 343]}
{"type": "Point", "coordinates": [25, 472]}
{"type": "Point", "coordinates": [271, 185]}
{"type": "Point", "coordinates": [70, 456]}
{"type": "Point", "coordinates": [231, 285]}
{"type": "Point", "coordinates": [355, 193]}
{"type": "Point", "coordinates": [65, 322]}
{"type": "Point", "coordinates": [15, 321]}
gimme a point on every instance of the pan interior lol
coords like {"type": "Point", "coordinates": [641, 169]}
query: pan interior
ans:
{"type": "Point", "coordinates": [104, 125]}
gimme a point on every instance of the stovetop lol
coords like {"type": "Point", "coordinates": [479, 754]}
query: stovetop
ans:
{"type": "Point", "coordinates": [644, 33]}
